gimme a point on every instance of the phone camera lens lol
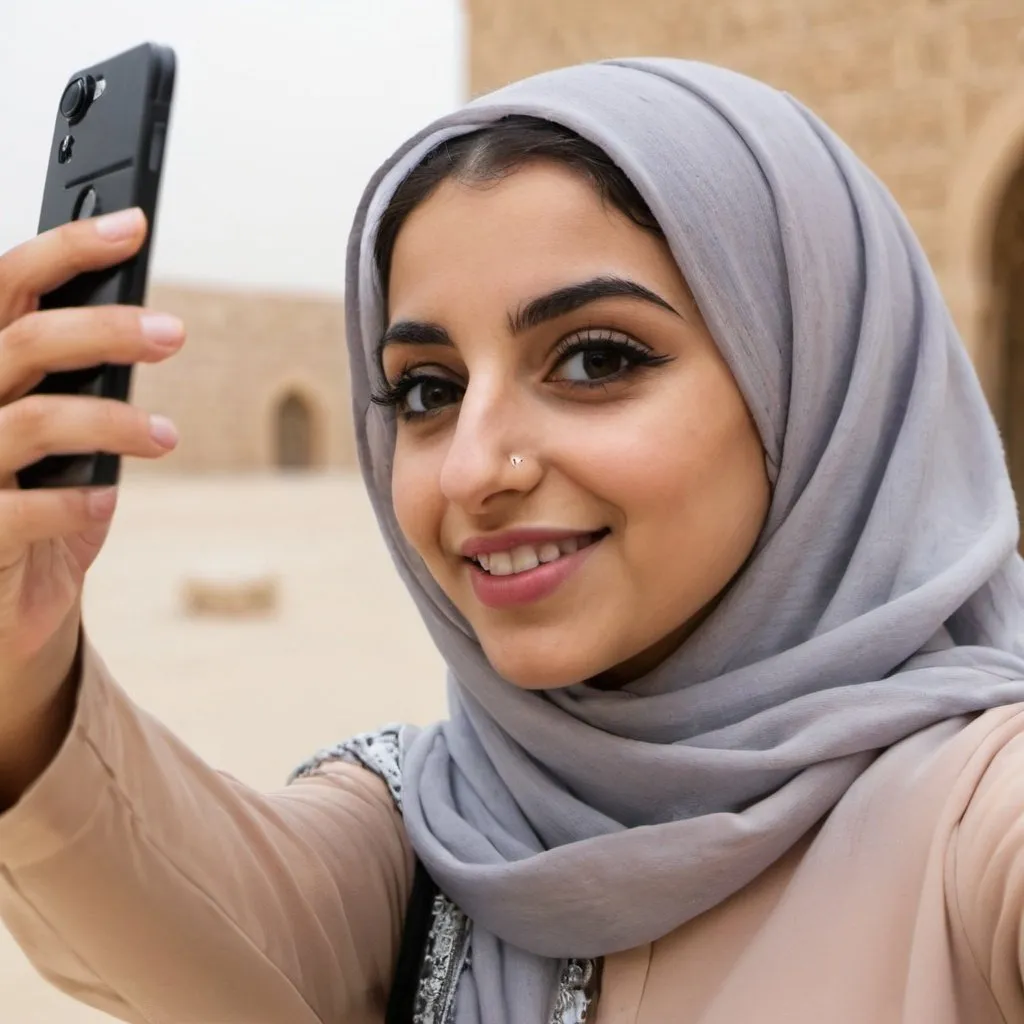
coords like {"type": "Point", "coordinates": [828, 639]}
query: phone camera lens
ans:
{"type": "Point", "coordinates": [76, 99]}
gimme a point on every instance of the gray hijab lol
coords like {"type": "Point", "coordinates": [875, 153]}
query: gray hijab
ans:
{"type": "Point", "coordinates": [885, 594]}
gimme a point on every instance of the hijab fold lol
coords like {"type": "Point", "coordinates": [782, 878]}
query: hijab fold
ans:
{"type": "Point", "coordinates": [885, 594]}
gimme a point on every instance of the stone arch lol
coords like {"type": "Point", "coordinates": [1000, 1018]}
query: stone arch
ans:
{"type": "Point", "coordinates": [1006, 260]}
{"type": "Point", "coordinates": [296, 426]}
{"type": "Point", "coordinates": [987, 273]}
{"type": "Point", "coordinates": [979, 186]}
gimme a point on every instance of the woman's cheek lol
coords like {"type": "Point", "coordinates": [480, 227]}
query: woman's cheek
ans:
{"type": "Point", "coordinates": [417, 498]}
{"type": "Point", "coordinates": [627, 456]}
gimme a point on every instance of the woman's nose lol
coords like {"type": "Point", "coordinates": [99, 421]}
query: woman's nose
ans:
{"type": "Point", "coordinates": [490, 453]}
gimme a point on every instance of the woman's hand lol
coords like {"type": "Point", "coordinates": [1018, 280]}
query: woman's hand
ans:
{"type": "Point", "coordinates": [50, 537]}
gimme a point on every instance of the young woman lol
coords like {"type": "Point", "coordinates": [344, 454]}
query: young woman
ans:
{"type": "Point", "coordinates": [675, 445]}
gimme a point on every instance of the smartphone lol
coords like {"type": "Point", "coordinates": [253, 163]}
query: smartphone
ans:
{"type": "Point", "coordinates": [107, 154]}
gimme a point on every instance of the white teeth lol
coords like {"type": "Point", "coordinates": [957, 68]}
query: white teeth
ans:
{"type": "Point", "coordinates": [524, 557]}
{"type": "Point", "coordinates": [500, 563]}
{"type": "Point", "coordinates": [548, 552]}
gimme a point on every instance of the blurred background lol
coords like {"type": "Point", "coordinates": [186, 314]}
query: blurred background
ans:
{"type": "Point", "coordinates": [245, 596]}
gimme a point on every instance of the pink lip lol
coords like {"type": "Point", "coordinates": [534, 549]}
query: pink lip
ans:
{"type": "Point", "coordinates": [513, 538]}
{"type": "Point", "coordinates": [532, 585]}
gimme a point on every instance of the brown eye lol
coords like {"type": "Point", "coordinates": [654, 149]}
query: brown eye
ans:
{"type": "Point", "coordinates": [594, 360]}
{"type": "Point", "coordinates": [594, 363]}
{"type": "Point", "coordinates": [600, 364]}
{"type": "Point", "coordinates": [429, 395]}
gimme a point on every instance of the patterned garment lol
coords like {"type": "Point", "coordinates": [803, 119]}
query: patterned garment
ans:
{"type": "Point", "coordinates": [448, 945]}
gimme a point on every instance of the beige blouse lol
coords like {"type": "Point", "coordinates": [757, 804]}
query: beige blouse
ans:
{"type": "Point", "coordinates": [141, 881]}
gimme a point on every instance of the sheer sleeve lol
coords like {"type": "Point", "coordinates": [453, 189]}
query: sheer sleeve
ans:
{"type": "Point", "coordinates": [140, 880]}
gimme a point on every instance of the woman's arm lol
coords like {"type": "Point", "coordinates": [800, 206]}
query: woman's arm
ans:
{"type": "Point", "coordinates": [985, 871]}
{"type": "Point", "coordinates": [139, 880]}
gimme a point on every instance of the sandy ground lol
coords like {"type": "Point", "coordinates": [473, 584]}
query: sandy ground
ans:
{"type": "Point", "coordinates": [346, 651]}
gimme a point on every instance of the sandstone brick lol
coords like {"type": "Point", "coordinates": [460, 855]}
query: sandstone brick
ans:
{"type": "Point", "coordinates": [831, 13]}
{"type": "Point", "coordinates": [930, 228]}
{"type": "Point", "coordinates": [980, 97]}
{"type": "Point", "coordinates": [917, 180]}
{"type": "Point", "coordinates": [769, 63]}
{"type": "Point", "coordinates": [750, 22]}
{"type": "Point", "coordinates": [917, 118]}
{"type": "Point", "coordinates": [843, 63]}
{"type": "Point", "coordinates": [928, 50]}
{"type": "Point", "coordinates": [995, 40]}
{"type": "Point", "coordinates": [512, 40]}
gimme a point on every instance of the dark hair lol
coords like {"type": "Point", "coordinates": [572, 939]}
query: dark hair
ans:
{"type": "Point", "coordinates": [490, 154]}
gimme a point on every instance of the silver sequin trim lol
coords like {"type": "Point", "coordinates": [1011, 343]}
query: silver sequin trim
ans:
{"type": "Point", "coordinates": [577, 992]}
{"type": "Point", "coordinates": [446, 957]}
{"type": "Point", "coordinates": [380, 752]}
{"type": "Point", "coordinates": [448, 944]}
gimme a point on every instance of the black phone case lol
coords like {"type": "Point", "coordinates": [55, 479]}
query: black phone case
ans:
{"type": "Point", "coordinates": [112, 162]}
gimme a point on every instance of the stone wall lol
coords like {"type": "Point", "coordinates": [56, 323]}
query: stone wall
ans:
{"type": "Point", "coordinates": [246, 353]}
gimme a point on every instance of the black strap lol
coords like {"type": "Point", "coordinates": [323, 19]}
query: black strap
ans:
{"type": "Point", "coordinates": [419, 917]}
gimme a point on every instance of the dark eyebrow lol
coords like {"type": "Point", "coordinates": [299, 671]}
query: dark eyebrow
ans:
{"type": "Point", "coordinates": [412, 332]}
{"type": "Point", "coordinates": [534, 313]}
{"type": "Point", "coordinates": [576, 296]}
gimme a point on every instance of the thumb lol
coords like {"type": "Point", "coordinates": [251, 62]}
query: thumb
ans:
{"type": "Point", "coordinates": [85, 545]}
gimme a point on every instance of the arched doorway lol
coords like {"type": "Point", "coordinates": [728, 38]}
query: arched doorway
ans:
{"type": "Point", "coordinates": [1007, 311]}
{"type": "Point", "coordinates": [294, 433]}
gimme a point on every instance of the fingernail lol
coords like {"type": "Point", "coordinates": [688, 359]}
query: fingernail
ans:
{"type": "Point", "coordinates": [163, 431]}
{"type": "Point", "coordinates": [115, 227]}
{"type": "Point", "coordinates": [162, 330]}
{"type": "Point", "coordinates": [101, 502]}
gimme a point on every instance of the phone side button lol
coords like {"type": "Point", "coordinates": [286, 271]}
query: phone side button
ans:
{"type": "Point", "coordinates": [156, 146]}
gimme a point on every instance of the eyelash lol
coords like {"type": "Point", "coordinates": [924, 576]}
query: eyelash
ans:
{"type": "Point", "coordinates": [638, 357]}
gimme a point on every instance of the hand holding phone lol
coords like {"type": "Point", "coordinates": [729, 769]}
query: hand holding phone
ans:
{"type": "Point", "coordinates": [50, 536]}
{"type": "Point", "coordinates": [70, 329]}
{"type": "Point", "coordinates": [106, 155]}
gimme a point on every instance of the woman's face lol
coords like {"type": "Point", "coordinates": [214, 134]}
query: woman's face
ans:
{"type": "Point", "coordinates": [565, 418]}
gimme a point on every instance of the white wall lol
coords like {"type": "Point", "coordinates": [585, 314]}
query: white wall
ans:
{"type": "Point", "coordinates": [283, 109]}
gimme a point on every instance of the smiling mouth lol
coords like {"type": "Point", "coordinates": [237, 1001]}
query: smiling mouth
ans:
{"type": "Point", "coordinates": [524, 557]}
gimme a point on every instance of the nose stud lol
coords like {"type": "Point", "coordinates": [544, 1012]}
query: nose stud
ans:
{"type": "Point", "coordinates": [516, 460]}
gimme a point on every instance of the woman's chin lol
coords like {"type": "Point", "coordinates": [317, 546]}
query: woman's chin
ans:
{"type": "Point", "coordinates": [540, 668]}
{"type": "Point", "coordinates": [551, 659]}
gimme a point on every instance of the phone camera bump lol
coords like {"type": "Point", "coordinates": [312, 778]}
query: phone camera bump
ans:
{"type": "Point", "coordinates": [77, 97]}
